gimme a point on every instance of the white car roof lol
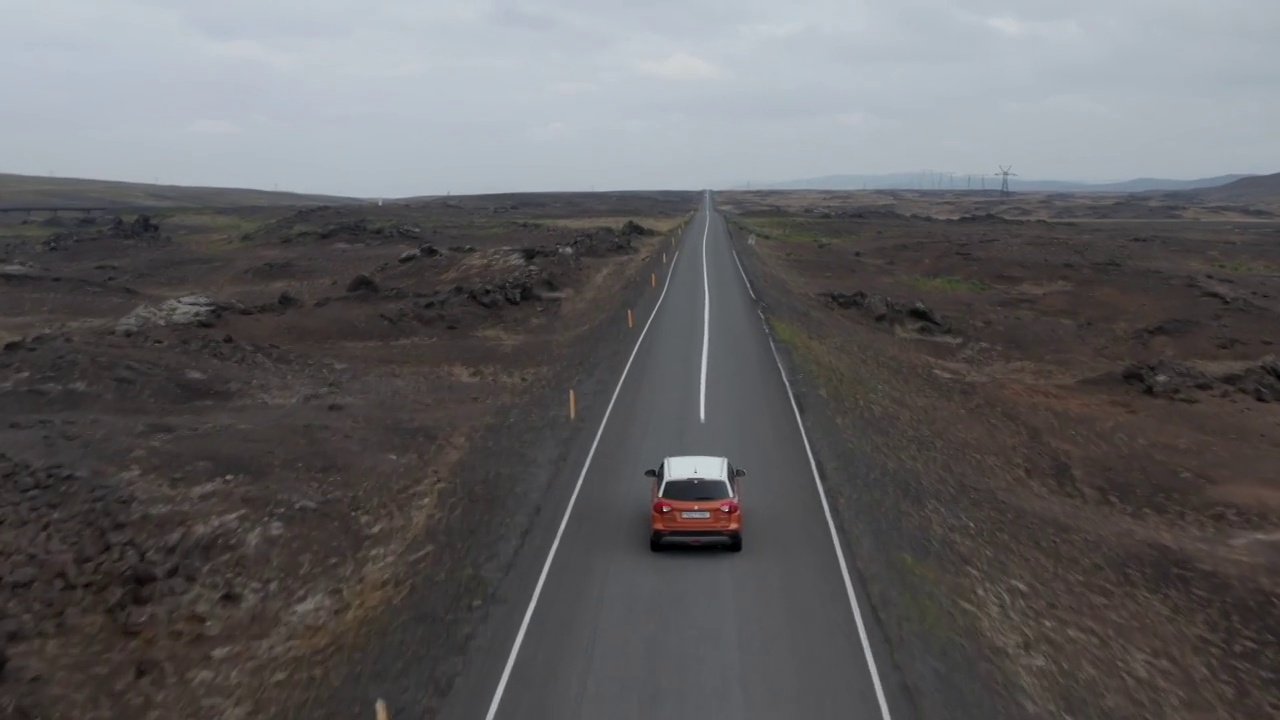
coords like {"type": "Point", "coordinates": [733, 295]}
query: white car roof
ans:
{"type": "Point", "coordinates": [710, 467]}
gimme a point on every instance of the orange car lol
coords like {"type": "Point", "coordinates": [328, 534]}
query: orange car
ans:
{"type": "Point", "coordinates": [695, 502]}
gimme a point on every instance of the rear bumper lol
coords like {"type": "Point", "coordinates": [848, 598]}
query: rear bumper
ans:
{"type": "Point", "coordinates": [695, 537]}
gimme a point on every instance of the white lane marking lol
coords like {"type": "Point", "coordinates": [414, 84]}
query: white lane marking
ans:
{"type": "Point", "coordinates": [744, 275]}
{"type": "Point", "coordinates": [706, 319]}
{"type": "Point", "coordinates": [826, 511]}
{"type": "Point", "coordinates": [564, 521]}
{"type": "Point", "coordinates": [835, 540]}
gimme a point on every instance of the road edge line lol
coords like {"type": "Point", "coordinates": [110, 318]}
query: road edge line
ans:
{"type": "Point", "coordinates": [822, 496]}
{"type": "Point", "coordinates": [750, 292]}
{"type": "Point", "coordinates": [573, 499]}
{"type": "Point", "coordinates": [831, 525]}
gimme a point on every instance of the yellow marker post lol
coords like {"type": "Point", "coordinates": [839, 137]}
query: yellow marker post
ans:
{"type": "Point", "coordinates": [653, 279]}
{"type": "Point", "coordinates": [380, 708]}
{"type": "Point", "coordinates": [573, 405]}
{"type": "Point", "coordinates": [630, 320]}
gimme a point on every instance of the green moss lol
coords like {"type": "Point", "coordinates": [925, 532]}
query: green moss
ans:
{"type": "Point", "coordinates": [947, 283]}
{"type": "Point", "coordinates": [791, 230]}
{"type": "Point", "coordinates": [1246, 267]}
{"type": "Point", "coordinates": [924, 598]}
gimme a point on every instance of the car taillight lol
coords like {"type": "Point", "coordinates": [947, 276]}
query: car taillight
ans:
{"type": "Point", "coordinates": [729, 506]}
{"type": "Point", "coordinates": [661, 507]}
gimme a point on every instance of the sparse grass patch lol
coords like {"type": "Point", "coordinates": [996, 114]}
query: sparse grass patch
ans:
{"type": "Point", "coordinates": [947, 283]}
{"type": "Point", "coordinates": [500, 336]}
{"type": "Point", "coordinates": [790, 230]}
{"type": "Point", "coordinates": [785, 229]}
{"type": "Point", "coordinates": [28, 231]}
{"type": "Point", "coordinates": [922, 602]}
{"type": "Point", "coordinates": [815, 356]}
{"type": "Point", "coordinates": [1247, 267]}
{"type": "Point", "coordinates": [208, 223]}
{"type": "Point", "coordinates": [785, 332]}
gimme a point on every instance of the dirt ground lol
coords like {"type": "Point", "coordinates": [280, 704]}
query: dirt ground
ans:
{"type": "Point", "coordinates": [1083, 398]}
{"type": "Point", "coordinates": [223, 429]}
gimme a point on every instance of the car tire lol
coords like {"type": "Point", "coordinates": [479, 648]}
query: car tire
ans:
{"type": "Point", "coordinates": [655, 545]}
{"type": "Point", "coordinates": [735, 545]}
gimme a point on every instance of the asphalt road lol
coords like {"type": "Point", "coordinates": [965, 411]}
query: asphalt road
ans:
{"type": "Point", "coordinates": [617, 632]}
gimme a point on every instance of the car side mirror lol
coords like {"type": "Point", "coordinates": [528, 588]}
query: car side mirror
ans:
{"type": "Point", "coordinates": [651, 473]}
{"type": "Point", "coordinates": [739, 472]}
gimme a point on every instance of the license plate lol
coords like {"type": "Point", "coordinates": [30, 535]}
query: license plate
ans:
{"type": "Point", "coordinates": [695, 515]}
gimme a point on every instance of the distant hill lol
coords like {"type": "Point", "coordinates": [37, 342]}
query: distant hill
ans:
{"type": "Point", "coordinates": [602, 203]}
{"type": "Point", "coordinates": [962, 181]}
{"type": "Point", "coordinates": [19, 191]}
{"type": "Point", "coordinates": [1251, 190]}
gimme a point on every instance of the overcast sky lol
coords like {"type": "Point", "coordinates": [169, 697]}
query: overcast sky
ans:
{"type": "Point", "coordinates": [401, 97]}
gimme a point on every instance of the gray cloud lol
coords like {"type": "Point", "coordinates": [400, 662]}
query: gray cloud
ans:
{"type": "Point", "coordinates": [405, 97]}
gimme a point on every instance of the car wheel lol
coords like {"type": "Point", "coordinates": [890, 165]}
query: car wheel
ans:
{"type": "Point", "coordinates": [735, 545]}
{"type": "Point", "coordinates": [655, 545]}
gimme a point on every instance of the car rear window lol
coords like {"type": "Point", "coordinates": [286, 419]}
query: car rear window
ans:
{"type": "Point", "coordinates": [693, 490]}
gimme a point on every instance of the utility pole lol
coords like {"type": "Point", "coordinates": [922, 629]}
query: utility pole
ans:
{"type": "Point", "coordinates": [1004, 178]}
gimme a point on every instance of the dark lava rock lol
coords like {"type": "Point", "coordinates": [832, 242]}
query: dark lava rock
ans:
{"type": "Point", "coordinates": [631, 227]}
{"type": "Point", "coordinates": [23, 577]}
{"type": "Point", "coordinates": [847, 301]}
{"type": "Point", "coordinates": [920, 311]}
{"type": "Point", "coordinates": [882, 309]}
{"type": "Point", "coordinates": [427, 250]}
{"type": "Point", "coordinates": [362, 283]}
{"type": "Point", "coordinates": [1167, 328]}
{"type": "Point", "coordinates": [986, 218]}
{"type": "Point", "coordinates": [142, 226]}
{"type": "Point", "coordinates": [1261, 382]}
{"type": "Point", "coordinates": [487, 296]}
{"type": "Point", "coordinates": [146, 667]}
{"type": "Point", "coordinates": [58, 241]}
{"type": "Point", "coordinates": [445, 298]}
{"type": "Point", "coordinates": [1167, 379]}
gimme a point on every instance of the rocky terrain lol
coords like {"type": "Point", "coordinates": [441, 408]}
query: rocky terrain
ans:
{"type": "Point", "coordinates": [1052, 432]}
{"type": "Point", "coordinates": [224, 433]}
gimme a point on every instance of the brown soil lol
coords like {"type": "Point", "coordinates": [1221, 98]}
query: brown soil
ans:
{"type": "Point", "coordinates": [223, 430]}
{"type": "Point", "coordinates": [1084, 422]}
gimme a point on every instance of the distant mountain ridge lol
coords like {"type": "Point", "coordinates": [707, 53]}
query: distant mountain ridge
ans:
{"type": "Point", "coordinates": [971, 181]}
{"type": "Point", "coordinates": [19, 191]}
{"type": "Point", "coordinates": [1249, 190]}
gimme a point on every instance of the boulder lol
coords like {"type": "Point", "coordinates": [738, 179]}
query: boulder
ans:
{"type": "Point", "coordinates": [196, 310]}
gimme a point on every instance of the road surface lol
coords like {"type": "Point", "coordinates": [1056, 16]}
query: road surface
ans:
{"type": "Point", "coordinates": [615, 632]}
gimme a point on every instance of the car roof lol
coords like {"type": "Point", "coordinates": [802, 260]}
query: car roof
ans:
{"type": "Point", "coordinates": [711, 467]}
